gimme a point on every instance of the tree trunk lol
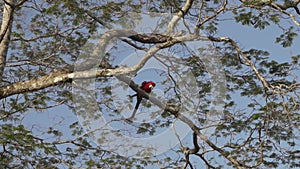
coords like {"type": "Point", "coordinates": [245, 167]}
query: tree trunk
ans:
{"type": "Point", "coordinates": [5, 32]}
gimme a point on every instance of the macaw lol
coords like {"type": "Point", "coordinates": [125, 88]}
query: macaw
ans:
{"type": "Point", "coordinates": [147, 86]}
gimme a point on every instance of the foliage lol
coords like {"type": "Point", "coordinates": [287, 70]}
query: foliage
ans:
{"type": "Point", "coordinates": [257, 85]}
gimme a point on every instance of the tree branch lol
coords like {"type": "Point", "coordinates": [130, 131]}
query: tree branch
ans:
{"type": "Point", "coordinates": [150, 38]}
{"type": "Point", "coordinates": [5, 32]}
{"type": "Point", "coordinates": [142, 38]}
{"type": "Point", "coordinates": [82, 69]}
{"type": "Point", "coordinates": [180, 14]}
{"type": "Point", "coordinates": [249, 63]}
{"type": "Point", "coordinates": [199, 24]}
{"type": "Point", "coordinates": [282, 8]}
{"type": "Point", "coordinates": [7, 19]}
{"type": "Point", "coordinates": [285, 6]}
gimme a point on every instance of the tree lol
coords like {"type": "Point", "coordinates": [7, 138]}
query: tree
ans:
{"type": "Point", "coordinates": [226, 100]}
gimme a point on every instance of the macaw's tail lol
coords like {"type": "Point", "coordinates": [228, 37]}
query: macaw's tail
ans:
{"type": "Point", "coordinates": [133, 114]}
{"type": "Point", "coordinates": [138, 102]}
{"type": "Point", "coordinates": [133, 95]}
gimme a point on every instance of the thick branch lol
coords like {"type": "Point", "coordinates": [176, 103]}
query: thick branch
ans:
{"type": "Point", "coordinates": [59, 76]}
{"type": "Point", "coordinates": [82, 69]}
{"type": "Point", "coordinates": [180, 14]}
{"type": "Point", "coordinates": [5, 32]}
{"type": "Point", "coordinates": [35, 84]}
{"type": "Point", "coordinates": [150, 38]}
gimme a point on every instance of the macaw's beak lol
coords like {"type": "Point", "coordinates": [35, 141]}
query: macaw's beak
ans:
{"type": "Point", "coordinates": [151, 87]}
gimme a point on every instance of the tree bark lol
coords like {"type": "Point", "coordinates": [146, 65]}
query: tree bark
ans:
{"type": "Point", "coordinates": [5, 32]}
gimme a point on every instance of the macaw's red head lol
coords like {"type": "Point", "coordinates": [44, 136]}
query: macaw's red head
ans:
{"type": "Point", "coordinates": [147, 86]}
